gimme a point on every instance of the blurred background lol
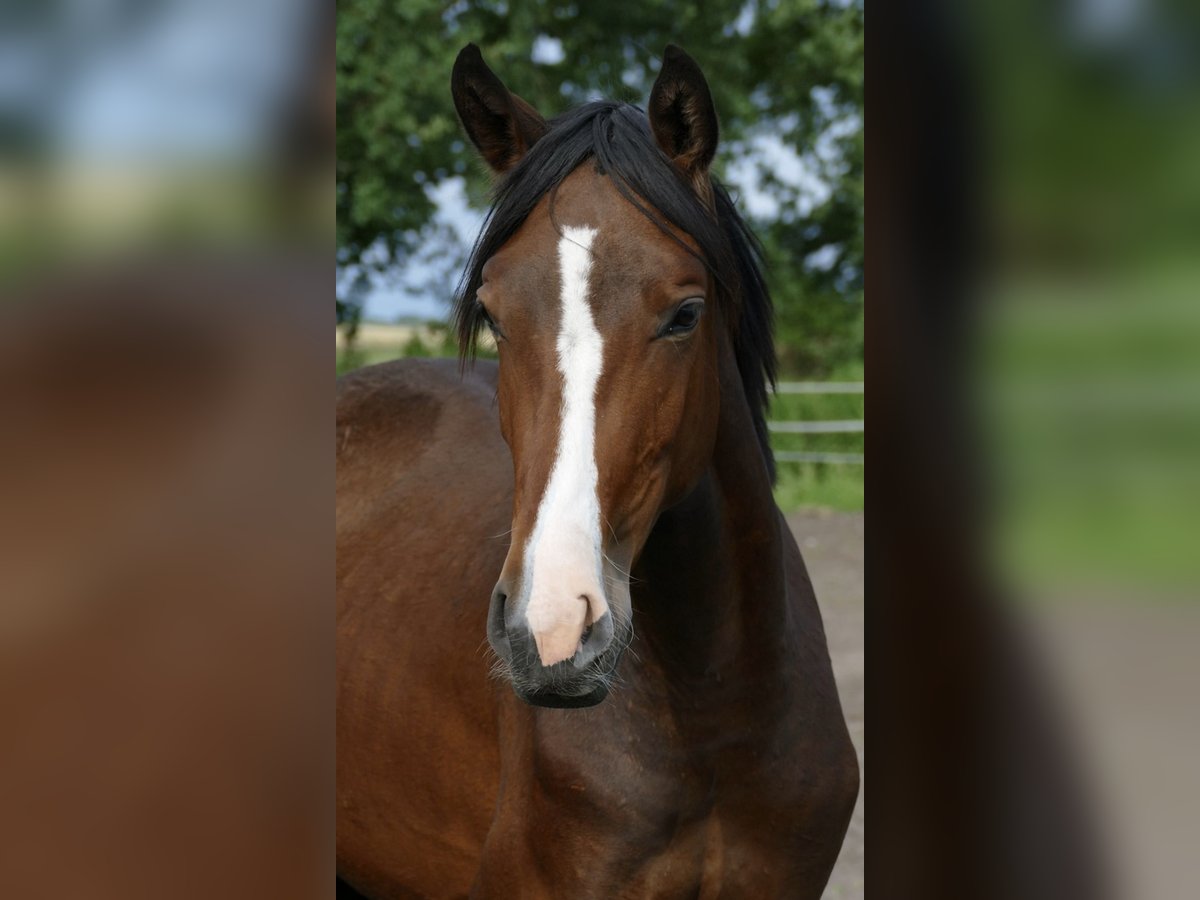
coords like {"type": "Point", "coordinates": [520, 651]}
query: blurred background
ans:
{"type": "Point", "coordinates": [127, 126]}
{"type": "Point", "coordinates": [1091, 290]}
{"type": "Point", "coordinates": [1035, 348]}
{"type": "Point", "coordinates": [166, 465]}
{"type": "Point", "coordinates": [787, 80]}
{"type": "Point", "coordinates": [1089, 389]}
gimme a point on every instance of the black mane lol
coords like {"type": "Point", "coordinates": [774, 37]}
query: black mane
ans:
{"type": "Point", "coordinates": [617, 136]}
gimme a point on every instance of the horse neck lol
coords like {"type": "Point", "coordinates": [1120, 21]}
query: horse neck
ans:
{"type": "Point", "coordinates": [711, 593]}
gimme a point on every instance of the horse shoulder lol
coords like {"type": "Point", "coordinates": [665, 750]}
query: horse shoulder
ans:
{"type": "Point", "coordinates": [417, 445]}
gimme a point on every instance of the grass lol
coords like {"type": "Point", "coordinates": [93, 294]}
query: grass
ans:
{"type": "Point", "coordinates": [825, 485]}
{"type": "Point", "coordinates": [820, 486]}
{"type": "Point", "coordinates": [357, 357]}
{"type": "Point", "coordinates": [798, 485]}
{"type": "Point", "coordinates": [350, 358]}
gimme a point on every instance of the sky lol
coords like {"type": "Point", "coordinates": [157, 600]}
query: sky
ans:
{"type": "Point", "coordinates": [119, 82]}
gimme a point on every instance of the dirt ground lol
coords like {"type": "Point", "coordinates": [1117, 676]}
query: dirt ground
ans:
{"type": "Point", "coordinates": [832, 545]}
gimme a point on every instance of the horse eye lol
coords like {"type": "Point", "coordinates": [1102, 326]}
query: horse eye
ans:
{"type": "Point", "coordinates": [686, 317]}
{"type": "Point", "coordinates": [489, 321]}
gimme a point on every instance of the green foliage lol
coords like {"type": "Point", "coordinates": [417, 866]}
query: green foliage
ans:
{"type": "Point", "coordinates": [792, 71]}
{"type": "Point", "coordinates": [350, 358]}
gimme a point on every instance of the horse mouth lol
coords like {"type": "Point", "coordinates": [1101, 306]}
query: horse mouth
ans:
{"type": "Point", "coordinates": [580, 682]}
{"type": "Point", "coordinates": [562, 686]}
{"type": "Point", "coordinates": [554, 700]}
{"type": "Point", "coordinates": [568, 688]}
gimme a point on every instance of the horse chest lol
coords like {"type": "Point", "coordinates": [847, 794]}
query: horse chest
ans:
{"type": "Point", "coordinates": [717, 856]}
{"type": "Point", "coordinates": [649, 820]}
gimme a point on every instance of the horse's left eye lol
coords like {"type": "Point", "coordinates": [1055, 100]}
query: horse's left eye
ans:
{"type": "Point", "coordinates": [687, 317]}
{"type": "Point", "coordinates": [489, 321]}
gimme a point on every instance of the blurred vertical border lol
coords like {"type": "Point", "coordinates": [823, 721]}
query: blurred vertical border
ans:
{"type": "Point", "coordinates": [1032, 601]}
{"type": "Point", "coordinates": [166, 466]}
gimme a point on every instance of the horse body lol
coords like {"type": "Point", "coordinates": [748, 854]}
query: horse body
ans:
{"type": "Point", "coordinates": [721, 765]}
{"type": "Point", "coordinates": [711, 759]}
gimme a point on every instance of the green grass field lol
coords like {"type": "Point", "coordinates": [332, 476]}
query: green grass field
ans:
{"type": "Point", "coordinates": [798, 486]}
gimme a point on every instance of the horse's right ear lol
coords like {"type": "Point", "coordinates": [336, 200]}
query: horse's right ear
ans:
{"type": "Point", "coordinates": [682, 115]}
{"type": "Point", "coordinates": [500, 124]}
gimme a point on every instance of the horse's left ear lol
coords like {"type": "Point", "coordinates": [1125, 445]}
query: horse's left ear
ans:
{"type": "Point", "coordinates": [682, 115]}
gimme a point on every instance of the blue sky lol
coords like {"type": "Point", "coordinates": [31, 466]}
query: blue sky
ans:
{"type": "Point", "coordinates": [112, 83]}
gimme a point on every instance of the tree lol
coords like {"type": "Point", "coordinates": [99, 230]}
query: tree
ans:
{"type": "Point", "coordinates": [786, 77]}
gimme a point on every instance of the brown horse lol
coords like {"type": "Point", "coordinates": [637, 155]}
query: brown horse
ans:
{"type": "Point", "coordinates": [617, 454]}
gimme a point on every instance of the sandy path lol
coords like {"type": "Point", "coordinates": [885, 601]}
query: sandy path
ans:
{"type": "Point", "coordinates": [832, 544]}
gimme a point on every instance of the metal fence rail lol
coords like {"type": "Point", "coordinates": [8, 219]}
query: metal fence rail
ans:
{"type": "Point", "coordinates": [819, 387]}
{"type": "Point", "coordinates": [848, 426]}
{"type": "Point", "coordinates": [850, 459]}
{"type": "Point", "coordinates": [845, 426]}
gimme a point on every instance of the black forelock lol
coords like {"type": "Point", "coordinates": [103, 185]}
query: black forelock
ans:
{"type": "Point", "coordinates": [617, 137]}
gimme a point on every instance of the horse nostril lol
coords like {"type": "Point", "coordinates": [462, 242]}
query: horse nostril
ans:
{"type": "Point", "coordinates": [500, 597]}
{"type": "Point", "coordinates": [594, 641]}
{"type": "Point", "coordinates": [497, 620]}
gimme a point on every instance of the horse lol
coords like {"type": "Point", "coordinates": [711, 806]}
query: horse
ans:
{"type": "Point", "coordinates": [660, 718]}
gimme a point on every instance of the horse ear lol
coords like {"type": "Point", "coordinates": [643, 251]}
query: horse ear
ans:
{"type": "Point", "coordinates": [682, 115]}
{"type": "Point", "coordinates": [500, 124]}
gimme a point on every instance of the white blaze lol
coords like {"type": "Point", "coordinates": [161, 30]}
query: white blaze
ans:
{"type": "Point", "coordinates": [564, 549]}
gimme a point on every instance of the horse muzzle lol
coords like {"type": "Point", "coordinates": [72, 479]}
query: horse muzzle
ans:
{"type": "Point", "coordinates": [581, 679]}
